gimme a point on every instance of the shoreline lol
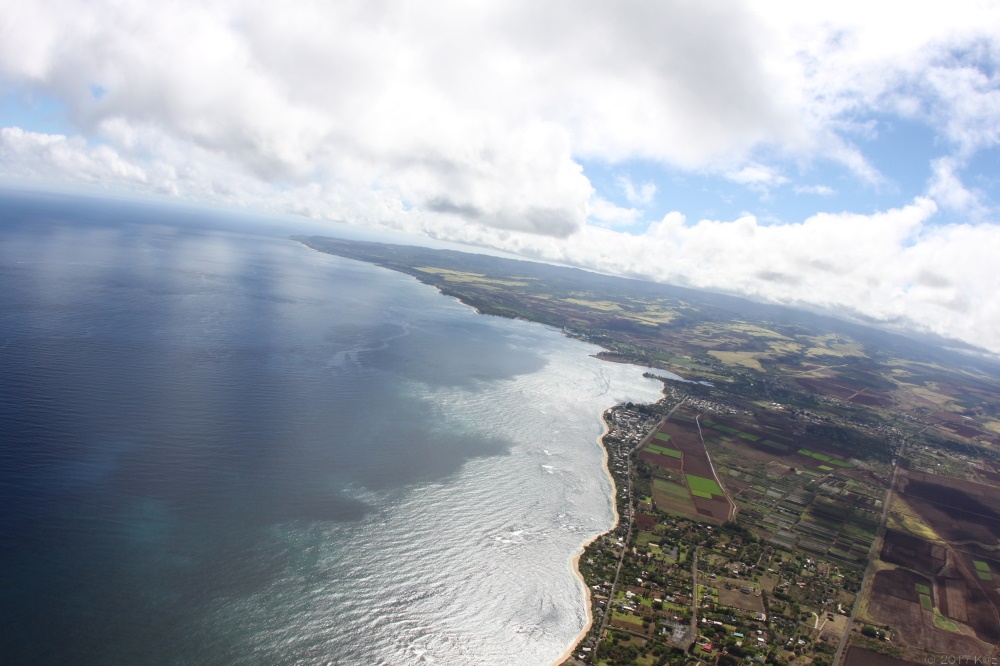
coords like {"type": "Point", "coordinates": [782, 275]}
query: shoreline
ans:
{"type": "Point", "coordinates": [575, 560]}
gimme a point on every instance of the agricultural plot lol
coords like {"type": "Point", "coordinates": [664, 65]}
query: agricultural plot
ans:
{"type": "Point", "coordinates": [957, 510]}
{"type": "Point", "coordinates": [821, 511]}
{"type": "Point", "coordinates": [822, 457]}
{"type": "Point", "coordinates": [958, 597]}
{"type": "Point", "coordinates": [731, 593]}
{"type": "Point", "coordinates": [660, 450]}
{"type": "Point", "coordinates": [912, 552]}
{"type": "Point", "coordinates": [985, 569]}
{"type": "Point", "coordinates": [898, 598]}
{"type": "Point", "coordinates": [706, 496]}
{"type": "Point", "coordinates": [626, 621]}
{"type": "Point", "coordinates": [673, 498]}
{"type": "Point", "coordinates": [764, 441]}
{"type": "Point", "coordinates": [660, 460]}
{"type": "Point", "coordinates": [857, 656]}
{"type": "Point", "coordinates": [702, 487]}
{"type": "Point", "coordinates": [982, 570]}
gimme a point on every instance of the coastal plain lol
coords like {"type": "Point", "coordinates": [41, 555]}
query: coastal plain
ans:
{"type": "Point", "coordinates": [814, 491]}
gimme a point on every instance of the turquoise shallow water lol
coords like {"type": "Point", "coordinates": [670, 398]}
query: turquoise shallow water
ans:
{"type": "Point", "coordinates": [218, 447]}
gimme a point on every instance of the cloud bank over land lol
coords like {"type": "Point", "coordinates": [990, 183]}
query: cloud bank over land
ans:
{"type": "Point", "coordinates": [681, 142]}
{"type": "Point", "coordinates": [892, 267]}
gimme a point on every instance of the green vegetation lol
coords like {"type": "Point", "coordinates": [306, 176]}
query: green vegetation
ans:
{"type": "Point", "coordinates": [673, 453]}
{"type": "Point", "coordinates": [923, 589]}
{"type": "Point", "coordinates": [662, 436]}
{"type": "Point", "coordinates": [925, 602]}
{"type": "Point", "coordinates": [981, 566]}
{"type": "Point", "coordinates": [670, 488]}
{"type": "Point", "coordinates": [944, 623]}
{"type": "Point", "coordinates": [824, 458]}
{"type": "Point", "coordinates": [702, 487]}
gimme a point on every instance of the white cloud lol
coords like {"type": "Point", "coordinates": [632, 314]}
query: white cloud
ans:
{"type": "Point", "coordinates": [947, 189]}
{"type": "Point", "coordinates": [637, 196]}
{"type": "Point", "coordinates": [470, 120]}
{"type": "Point", "coordinates": [53, 156]}
{"type": "Point", "coordinates": [485, 108]}
{"type": "Point", "coordinates": [896, 266]}
{"type": "Point", "coordinates": [821, 190]}
{"type": "Point", "coordinates": [757, 176]}
{"type": "Point", "coordinates": [603, 213]}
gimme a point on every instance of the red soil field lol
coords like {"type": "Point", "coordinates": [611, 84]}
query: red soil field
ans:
{"type": "Point", "coordinates": [717, 509]}
{"type": "Point", "coordinates": [645, 521]}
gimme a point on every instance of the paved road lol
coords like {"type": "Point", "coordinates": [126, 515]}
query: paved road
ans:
{"type": "Point", "coordinates": [694, 596]}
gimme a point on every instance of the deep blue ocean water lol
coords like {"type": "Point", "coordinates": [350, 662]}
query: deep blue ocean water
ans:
{"type": "Point", "coordinates": [221, 447]}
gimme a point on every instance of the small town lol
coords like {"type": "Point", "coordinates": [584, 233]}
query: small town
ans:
{"type": "Point", "coordinates": [665, 589]}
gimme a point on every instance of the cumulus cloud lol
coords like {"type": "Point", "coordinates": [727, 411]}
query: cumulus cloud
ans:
{"type": "Point", "coordinates": [947, 189]}
{"type": "Point", "coordinates": [757, 177]}
{"type": "Point", "coordinates": [897, 267]}
{"type": "Point", "coordinates": [488, 107]}
{"type": "Point", "coordinates": [641, 195]}
{"type": "Point", "coordinates": [54, 156]}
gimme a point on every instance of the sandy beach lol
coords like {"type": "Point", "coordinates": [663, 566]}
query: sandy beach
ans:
{"type": "Point", "coordinates": [575, 562]}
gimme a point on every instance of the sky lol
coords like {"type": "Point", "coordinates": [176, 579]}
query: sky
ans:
{"type": "Point", "coordinates": [840, 156]}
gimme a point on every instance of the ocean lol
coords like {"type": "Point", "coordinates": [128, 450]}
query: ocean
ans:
{"type": "Point", "coordinates": [218, 446]}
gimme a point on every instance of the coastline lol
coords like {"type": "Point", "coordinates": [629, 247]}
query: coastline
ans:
{"type": "Point", "coordinates": [575, 560]}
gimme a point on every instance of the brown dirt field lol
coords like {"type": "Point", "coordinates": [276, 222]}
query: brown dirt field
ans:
{"type": "Point", "coordinates": [857, 656]}
{"type": "Point", "coordinates": [827, 387]}
{"type": "Point", "coordinates": [900, 584]}
{"type": "Point", "coordinates": [645, 521]}
{"type": "Point", "coordinates": [957, 510]}
{"type": "Point", "coordinates": [698, 467]}
{"type": "Point", "coordinates": [748, 602]}
{"type": "Point", "coordinates": [979, 597]}
{"type": "Point", "coordinates": [913, 553]}
{"type": "Point", "coordinates": [666, 462]}
{"type": "Point", "coordinates": [987, 493]}
{"type": "Point", "coordinates": [964, 431]}
{"type": "Point", "coordinates": [712, 508]}
{"type": "Point", "coordinates": [967, 558]}
{"type": "Point", "coordinates": [905, 617]}
{"type": "Point", "coordinates": [968, 596]}
{"type": "Point", "coordinates": [622, 624]}
{"type": "Point", "coordinates": [952, 601]}
{"type": "Point", "coordinates": [915, 626]}
{"type": "Point", "coordinates": [681, 433]}
{"type": "Point", "coordinates": [953, 523]}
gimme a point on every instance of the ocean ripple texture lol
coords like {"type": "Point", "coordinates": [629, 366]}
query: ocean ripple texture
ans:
{"type": "Point", "coordinates": [225, 448]}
